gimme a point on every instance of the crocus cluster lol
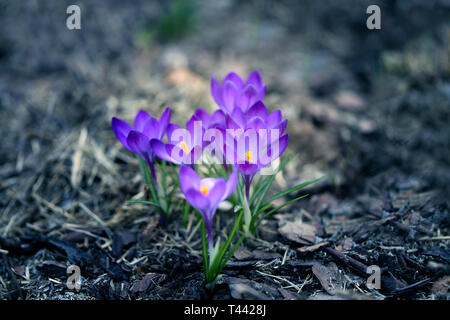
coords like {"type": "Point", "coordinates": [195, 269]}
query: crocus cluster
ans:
{"type": "Point", "coordinates": [241, 134]}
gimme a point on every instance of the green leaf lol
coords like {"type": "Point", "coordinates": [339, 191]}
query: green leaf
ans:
{"type": "Point", "coordinates": [205, 251]}
{"type": "Point", "coordinates": [232, 251]}
{"type": "Point", "coordinates": [278, 208]}
{"type": "Point", "coordinates": [290, 190]}
{"type": "Point", "coordinates": [260, 188]}
{"type": "Point", "coordinates": [266, 184]}
{"type": "Point", "coordinates": [264, 208]}
{"type": "Point", "coordinates": [217, 265]}
{"type": "Point", "coordinates": [185, 214]}
{"type": "Point", "coordinates": [164, 178]}
{"type": "Point", "coordinates": [244, 203]}
{"type": "Point", "coordinates": [145, 171]}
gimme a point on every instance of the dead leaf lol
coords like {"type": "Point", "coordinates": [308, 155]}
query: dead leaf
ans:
{"type": "Point", "coordinates": [143, 284]}
{"type": "Point", "coordinates": [243, 254]}
{"type": "Point", "coordinates": [329, 276]}
{"type": "Point", "coordinates": [347, 226]}
{"type": "Point", "coordinates": [19, 270]}
{"type": "Point", "coordinates": [412, 199]}
{"type": "Point", "coordinates": [441, 285]}
{"type": "Point", "coordinates": [288, 295]}
{"type": "Point", "coordinates": [312, 248]}
{"type": "Point", "coordinates": [248, 289]}
{"type": "Point", "coordinates": [345, 245]}
{"type": "Point", "coordinates": [298, 232]}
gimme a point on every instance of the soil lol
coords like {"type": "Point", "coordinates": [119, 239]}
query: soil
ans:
{"type": "Point", "coordinates": [369, 109]}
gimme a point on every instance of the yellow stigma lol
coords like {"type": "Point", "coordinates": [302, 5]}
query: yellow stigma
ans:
{"type": "Point", "coordinates": [248, 156]}
{"type": "Point", "coordinates": [184, 147]}
{"type": "Point", "coordinates": [204, 190]}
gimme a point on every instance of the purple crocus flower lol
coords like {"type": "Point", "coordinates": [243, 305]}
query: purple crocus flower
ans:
{"type": "Point", "coordinates": [257, 117]}
{"type": "Point", "coordinates": [137, 139]}
{"type": "Point", "coordinates": [254, 139]}
{"type": "Point", "coordinates": [214, 120]}
{"type": "Point", "coordinates": [235, 93]}
{"type": "Point", "coordinates": [185, 145]}
{"type": "Point", "coordinates": [214, 126]}
{"type": "Point", "coordinates": [206, 194]}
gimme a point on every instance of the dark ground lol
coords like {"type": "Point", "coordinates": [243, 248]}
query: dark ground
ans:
{"type": "Point", "coordinates": [369, 109]}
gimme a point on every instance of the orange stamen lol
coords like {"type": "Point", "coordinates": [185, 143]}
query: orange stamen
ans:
{"type": "Point", "coordinates": [184, 147]}
{"type": "Point", "coordinates": [248, 156]}
{"type": "Point", "coordinates": [204, 190]}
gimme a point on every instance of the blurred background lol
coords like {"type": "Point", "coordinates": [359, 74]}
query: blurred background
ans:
{"type": "Point", "coordinates": [362, 104]}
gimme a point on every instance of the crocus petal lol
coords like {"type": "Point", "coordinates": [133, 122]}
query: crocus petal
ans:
{"type": "Point", "coordinates": [196, 130]}
{"type": "Point", "coordinates": [216, 91]}
{"type": "Point", "coordinates": [170, 133]}
{"type": "Point", "coordinates": [189, 179]}
{"type": "Point", "coordinates": [121, 130]}
{"type": "Point", "coordinates": [230, 186]}
{"type": "Point", "coordinates": [160, 149]}
{"type": "Point", "coordinates": [262, 93]}
{"type": "Point", "coordinates": [209, 183]}
{"type": "Point", "coordinates": [231, 124]}
{"type": "Point", "coordinates": [194, 155]}
{"type": "Point", "coordinates": [273, 119]}
{"type": "Point", "coordinates": [235, 79]}
{"type": "Point", "coordinates": [282, 126]}
{"type": "Point", "coordinates": [218, 118]}
{"type": "Point", "coordinates": [229, 156]}
{"type": "Point", "coordinates": [177, 154]}
{"type": "Point", "coordinates": [199, 202]}
{"type": "Point", "coordinates": [151, 128]}
{"type": "Point", "coordinates": [255, 79]}
{"type": "Point", "coordinates": [247, 147]}
{"type": "Point", "coordinates": [248, 169]}
{"type": "Point", "coordinates": [275, 150]}
{"type": "Point", "coordinates": [247, 97]}
{"type": "Point", "coordinates": [164, 121]}
{"type": "Point", "coordinates": [258, 110]}
{"type": "Point", "coordinates": [284, 140]}
{"type": "Point", "coordinates": [203, 116]}
{"type": "Point", "coordinates": [229, 148]}
{"type": "Point", "coordinates": [229, 93]}
{"type": "Point", "coordinates": [215, 194]}
{"type": "Point", "coordinates": [141, 120]}
{"type": "Point", "coordinates": [139, 144]}
{"type": "Point", "coordinates": [238, 117]}
{"type": "Point", "coordinates": [256, 123]}
{"type": "Point", "coordinates": [277, 131]}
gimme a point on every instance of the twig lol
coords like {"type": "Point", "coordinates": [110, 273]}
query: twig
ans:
{"type": "Point", "coordinates": [280, 278]}
{"type": "Point", "coordinates": [411, 289]}
{"type": "Point", "coordinates": [435, 238]}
